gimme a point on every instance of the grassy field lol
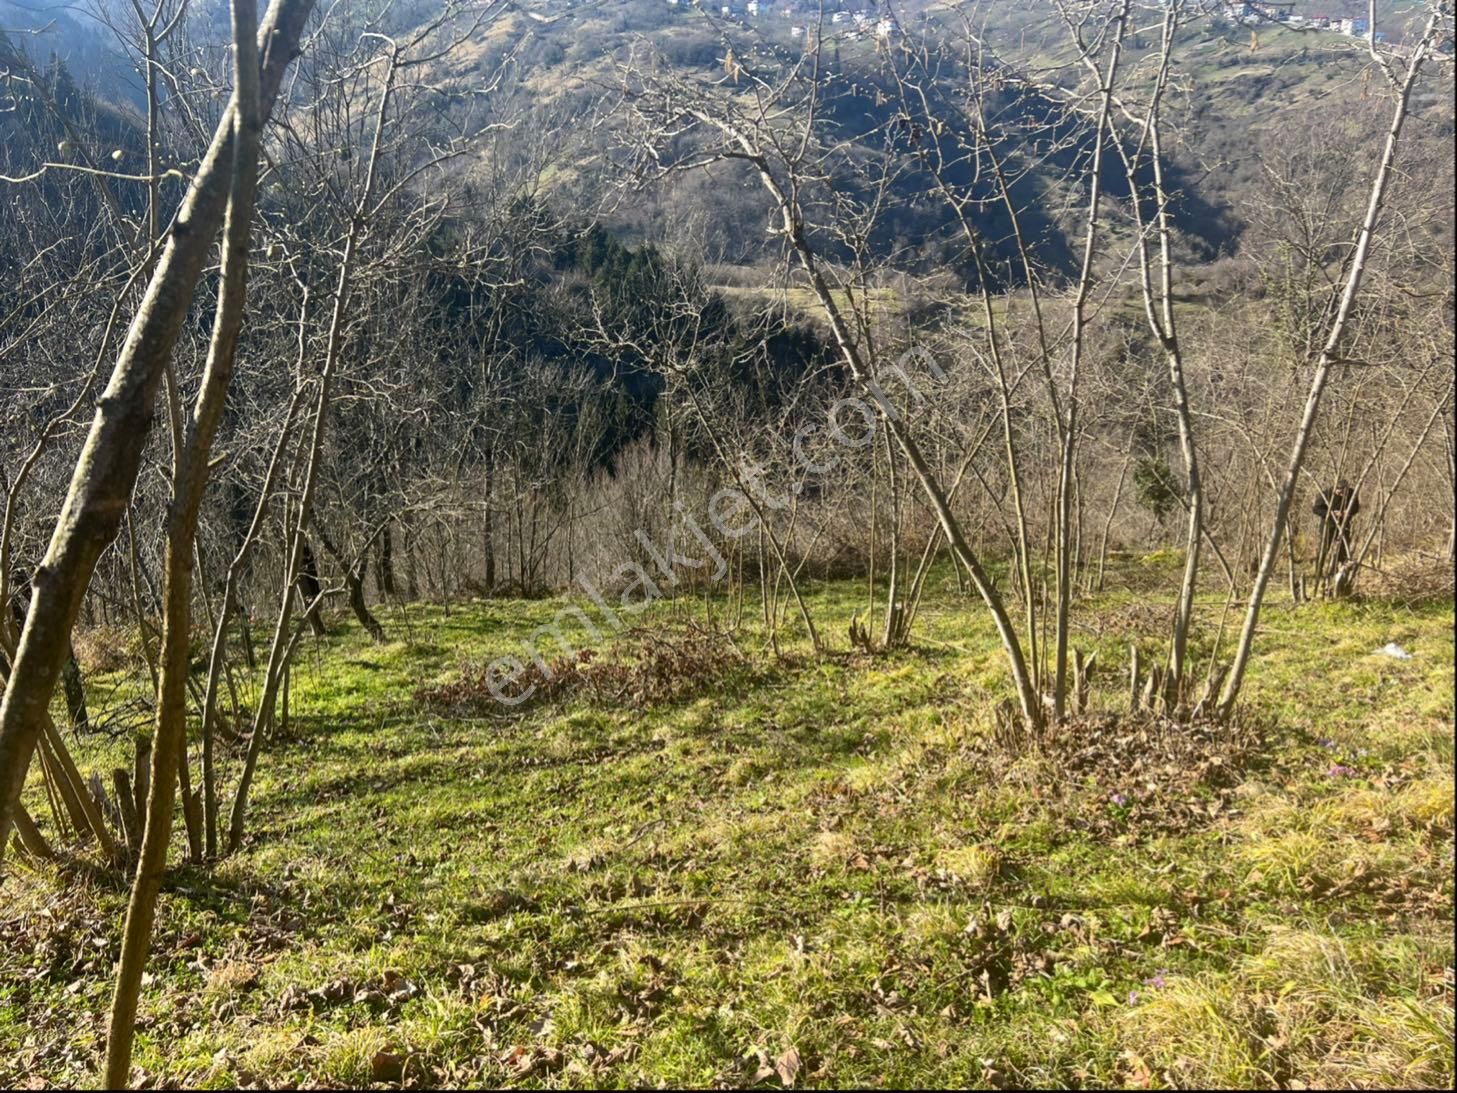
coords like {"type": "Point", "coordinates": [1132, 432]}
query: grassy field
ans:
{"type": "Point", "coordinates": [807, 872]}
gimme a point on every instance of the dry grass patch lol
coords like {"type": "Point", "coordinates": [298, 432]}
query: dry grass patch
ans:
{"type": "Point", "coordinates": [644, 667]}
{"type": "Point", "coordinates": [977, 866]}
{"type": "Point", "coordinates": [832, 850]}
{"type": "Point", "coordinates": [1311, 1010]}
{"type": "Point", "coordinates": [1394, 844]}
{"type": "Point", "coordinates": [104, 649]}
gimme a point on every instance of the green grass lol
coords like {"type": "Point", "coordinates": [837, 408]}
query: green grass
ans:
{"type": "Point", "coordinates": [812, 855]}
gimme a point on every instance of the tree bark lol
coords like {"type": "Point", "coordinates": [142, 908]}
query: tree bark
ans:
{"type": "Point", "coordinates": [75, 688]}
{"type": "Point", "coordinates": [107, 468]}
{"type": "Point", "coordinates": [310, 587]}
{"type": "Point", "coordinates": [354, 582]}
{"type": "Point", "coordinates": [384, 570]}
{"type": "Point", "coordinates": [244, 118]}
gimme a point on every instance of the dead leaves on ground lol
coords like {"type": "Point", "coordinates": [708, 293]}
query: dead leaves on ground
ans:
{"type": "Point", "coordinates": [1128, 777]}
{"type": "Point", "coordinates": [757, 1068]}
{"type": "Point", "coordinates": [643, 667]}
{"type": "Point", "coordinates": [383, 993]}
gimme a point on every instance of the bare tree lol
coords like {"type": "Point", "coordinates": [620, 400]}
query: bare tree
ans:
{"type": "Point", "coordinates": [1402, 79]}
{"type": "Point", "coordinates": [107, 468]}
{"type": "Point", "coordinates": [192, 467]}
{"type": "Point", "coordinates": [774, 134]}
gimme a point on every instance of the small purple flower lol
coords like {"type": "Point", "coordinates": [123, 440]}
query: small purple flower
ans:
{"type": "Point", "coordinates": [1133, 998]}
{"type": "Point", "coordinates": [1157, 981]}
{"type": "Point", "coordinates": [1340, 770]}
{"type": "Point", "coordinates": [1118, 799]}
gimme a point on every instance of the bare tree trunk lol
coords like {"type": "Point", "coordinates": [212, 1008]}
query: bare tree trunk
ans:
{"type": "Point", "coordinates": [75, 688]}
{"type": "Point", "coordinates": [30, 837]}
{"type": "Point", "coordinates": [190, 479]}
{"type": "Point", "coordinates": [1330, 356]}
{"type": "Point", "coordinates": [1159, 311]}
{"type": "Point", "coordinates": [107, 468]}
{"type": "Point", "coordinates": [1062, 559]}
{"type": "Point", "coordinates": [874, 528]}
{"type": "Point", "coordinates": [794, 230]}
{"type": "Point", "coordinates": [354, 582]}
{"type": "Point", "coordinates": [310, 588]}
{"type": "Point", "coordinates": [216, 665]}
{"type": "Point", "coordinates": [281, 648]}
{"type": "Point", "coordinates": [384, 570]}
{"type": "Point", "coordinates": [136, 589]}
{"type": "Point", "coordinates": [488, 533]}
{"type": "Point", "coordinates": [412, 574]}
{"type": "Point", "coordinates": [928, 555]}
{"type": "Point", "coordinates": [1108, 521]}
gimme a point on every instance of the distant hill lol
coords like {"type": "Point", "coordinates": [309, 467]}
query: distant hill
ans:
{"type": "Point", "coordinates": [48, 29]}
{"type": "Point", "coordinates": [1238, 83]}
{"type": "Point", "coordinates": [566, 67]}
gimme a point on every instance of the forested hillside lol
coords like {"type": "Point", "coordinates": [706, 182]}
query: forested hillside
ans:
{"type": "Point", "coordinates": [640, 542]}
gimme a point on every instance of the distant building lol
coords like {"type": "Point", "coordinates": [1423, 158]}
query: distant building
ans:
{"type": "Point", "coordinates": [1253, 12]}
{"type": "Point", "coordinates": [796, 32]}
{"type": "Point", "coordinates": [839, 17]}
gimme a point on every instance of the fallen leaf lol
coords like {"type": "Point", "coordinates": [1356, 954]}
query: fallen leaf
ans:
{"type": "Point", "coordinates": [386, 1066]}
{"type": "Point", "coordinates": [787, 1066]}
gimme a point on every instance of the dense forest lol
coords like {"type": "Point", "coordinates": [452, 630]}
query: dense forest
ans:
{"type": "Point", "coordinates": [569, 367]}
